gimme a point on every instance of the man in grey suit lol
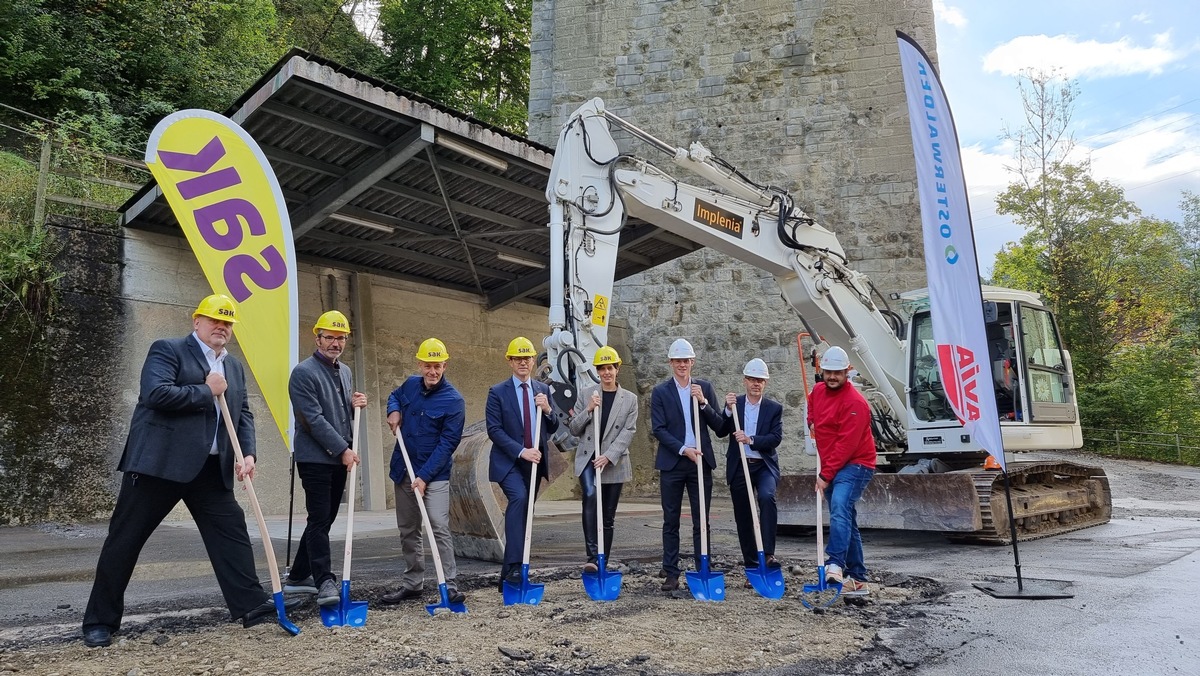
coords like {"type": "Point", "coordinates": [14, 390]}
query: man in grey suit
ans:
{"type": "Point", "coordinates": [178, 449]}
{"type": "Point", "coordinates": [323, 397]}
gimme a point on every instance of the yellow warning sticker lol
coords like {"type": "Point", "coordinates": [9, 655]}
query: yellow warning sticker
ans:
{"type": "Point", "coordinates": [600, 310]}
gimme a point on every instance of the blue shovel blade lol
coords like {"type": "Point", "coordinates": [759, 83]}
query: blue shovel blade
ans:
{"type": "Point", "coordinates": [444, 592]}
{"type": "Point", "coordinates": [822, 593]}
{"type": "Point", "coordinates": [706, 585]}
{"type": "Point", "coordinates": [346, 612]}
{"type": "Point", "coordinates": [602, 585]}
{"type": "Point", "coordinates": [768, 582]}
{"type": "Point", "coordinates": [527, 593]}
{"type": "Point", "coordinates": [281, 611]}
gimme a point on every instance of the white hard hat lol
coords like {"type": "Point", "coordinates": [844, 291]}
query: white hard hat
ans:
{"type": "Point", "coordinates": [835, 359]}
{"type": "Point", "coordinates": [681, 349]}
{"type": "Point", "coordinates": [756, 368]}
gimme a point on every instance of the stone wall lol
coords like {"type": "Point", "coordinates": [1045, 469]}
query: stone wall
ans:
{"type": "Point", "coordinates": [804, 95]}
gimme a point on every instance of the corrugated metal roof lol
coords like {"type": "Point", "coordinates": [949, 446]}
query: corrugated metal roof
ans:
{"type": "Point", "coordinates": [381, 180]}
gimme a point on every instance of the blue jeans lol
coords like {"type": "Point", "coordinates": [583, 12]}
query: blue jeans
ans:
{"type": "Point", "coordinates": [845, 544]}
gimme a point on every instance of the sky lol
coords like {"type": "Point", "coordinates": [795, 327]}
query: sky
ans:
{"type": "Point", "coordinates": [1137, 114]}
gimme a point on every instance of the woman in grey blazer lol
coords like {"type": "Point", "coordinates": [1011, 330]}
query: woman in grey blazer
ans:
{"type": "Point", "coordinates": [618, 420]}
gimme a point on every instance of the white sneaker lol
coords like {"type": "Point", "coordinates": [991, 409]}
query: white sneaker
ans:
{"type": "Point", "coordinates": [833, 573]}
{"type": "Point", "coordinates": [852, 587]}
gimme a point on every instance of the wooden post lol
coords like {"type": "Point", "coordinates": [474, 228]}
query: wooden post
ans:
{"type": "Point", "coordinates": [39, 204]}
{"type": "Point", "coordinates": [1178, 450]}
{"type": "Point", "coordinates": [1117, 434]}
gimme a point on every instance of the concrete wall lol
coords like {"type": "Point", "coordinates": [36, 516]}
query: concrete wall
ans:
{"type": "Point", "coordinates": [804, 95]}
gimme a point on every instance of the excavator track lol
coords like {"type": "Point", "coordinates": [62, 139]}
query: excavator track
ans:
{"type": "Point", "coordinates": [1048, 498]}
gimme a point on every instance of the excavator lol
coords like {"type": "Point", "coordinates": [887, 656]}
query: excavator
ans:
{"type": "Point", "coordinates": [930, 474]}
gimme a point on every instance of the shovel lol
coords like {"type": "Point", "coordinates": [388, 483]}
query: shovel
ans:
{"type": "Point", "coordinates": [768, 582]}
{"type": "Point", "coordinates": [704, 584]}
{"type": "Point", "coordinates": [600, 585]}
{"type": "Point", "coordinates": [529, 594]}
{"type": "Point", "coordinates": [822, 593]}
{"type": "Point", "coordinates": [347, 612]}
{"type": "Point", "coordinates": [272, 566]}
{"type": "Point", "coordinates": [443, 591]}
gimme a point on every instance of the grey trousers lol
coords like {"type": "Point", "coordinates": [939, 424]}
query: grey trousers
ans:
{"type": "Point", "coordinates": [412, 536]}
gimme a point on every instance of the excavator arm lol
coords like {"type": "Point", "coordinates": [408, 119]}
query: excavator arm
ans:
{"type": "Point", "coordinates": [593, 189]}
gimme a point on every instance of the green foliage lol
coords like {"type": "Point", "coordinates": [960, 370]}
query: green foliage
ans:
{"type": "Point", "coordinates": [27, 274]}
{"type": "Point", "coordinates": [1150, 387]}
{"type": "Point", "coordinates": [321, 27]}
{"type": "Point", "coordinates": [472, 55]}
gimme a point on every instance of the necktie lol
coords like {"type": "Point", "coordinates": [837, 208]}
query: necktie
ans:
{"type": "Point", "coordinates": [525, 412]}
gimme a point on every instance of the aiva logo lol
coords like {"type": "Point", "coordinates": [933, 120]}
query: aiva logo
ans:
{"type": "Point", "coordinates": [960, 377]}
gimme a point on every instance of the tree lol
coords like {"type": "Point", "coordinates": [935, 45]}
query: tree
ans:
{"type": "Point", "coordinates": [472, 55]}
{"type": "Point", "coordinates": [1111, 274]}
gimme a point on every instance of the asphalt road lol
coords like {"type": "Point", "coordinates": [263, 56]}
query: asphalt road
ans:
{"type": "Point", "coordinates": [1136, 580]}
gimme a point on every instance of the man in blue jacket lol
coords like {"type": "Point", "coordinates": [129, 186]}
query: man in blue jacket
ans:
{"type": "Point", "coordinates": [761, 431]}
{"type": "Point", "coordinates": [672, 424]}
{"type": "Point", "coordinates": [430, 414]}
{"type": "Point", "coordinates": [511, 415]}
{"type": "Point", "coordinates": [323, 398]}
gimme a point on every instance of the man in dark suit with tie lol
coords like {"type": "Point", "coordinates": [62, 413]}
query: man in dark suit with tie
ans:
{"type": "Point", "coordinates": [761, 431]}
{"type": "Point", "coordinates": [510, 415]}
{"type": "Point", "coordinates": [178, 449]}
{"type": "Point", "coordinates": [672, 424]}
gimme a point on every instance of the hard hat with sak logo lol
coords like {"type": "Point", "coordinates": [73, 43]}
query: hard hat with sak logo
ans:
{"type": "Point", "coordinates": [835, 359]}
{"type": "Point", "coordinates": [681, 349]}
{"type": "Point", "coordinates": [606, 355]}
{"type": "Point", "coordinates": [520, 347]}
{"type": "Point", "coordinates": [432, 351]}
{"type": "Point", "coordinates": [332, 321]}
{"type": "Point", "coordinates": [217, 306]}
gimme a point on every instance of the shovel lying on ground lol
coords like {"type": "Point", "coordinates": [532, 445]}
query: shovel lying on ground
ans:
{"type": "Point", "coordinates": [272, 566]}
{"type": "Point", "coordinates": [601, 585]}
{"type": "Point", "coordinates": [527, 593]}
{"type": "Point", "coordinates": [347, 612]}
{"type": "Point", "coordinates": [705, 585]}
{"type": "Point", "coordinates": [443, 591]}
{"type": "Point", "coordinates": [822, 593]}
{"type": "Point", "coordinates": [768, 582]}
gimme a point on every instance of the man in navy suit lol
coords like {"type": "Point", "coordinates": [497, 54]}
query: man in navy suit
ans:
{"type": "Point", "coordinates": [178, 449]}
{"type": "Point", "coordinates": [762, 432]}
{"type": "Point", "coordinates": [510, 414]}
{"type": "Point", "coordinates": [672, 424]}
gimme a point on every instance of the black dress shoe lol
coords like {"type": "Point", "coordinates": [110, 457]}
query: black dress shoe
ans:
{"type": "Point", "coordinates": [455, 596]}
{"type": "Point", "coordinates": [265, 612]}
{"type": "Point", "coordinates": [513, 577]}
{"type": "Point", "coordinates": [400, 596]}
{"type": "Point", "coordinates": [97, 637]}
{"type": "Point", "coordinates": [671, 583]}
{"type": "Point", "coordinates": [772, 562]}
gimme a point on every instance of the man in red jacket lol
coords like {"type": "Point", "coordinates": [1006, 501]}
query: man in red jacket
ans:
{"type": "Point", "coordinates": [839, 420]}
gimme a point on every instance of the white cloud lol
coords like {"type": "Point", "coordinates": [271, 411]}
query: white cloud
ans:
{"type": "Point", "coordinates": [948, 14]}
{"type": "Point", "coordinates": [1086, 58]}
{"type": "Point", "coordinates": [1142, 17]}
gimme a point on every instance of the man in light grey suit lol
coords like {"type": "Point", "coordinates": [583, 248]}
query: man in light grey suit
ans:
{"type": "Point", "coordinates": [178, 449]}
{"type": "Point", "coordinates": [618, 420]}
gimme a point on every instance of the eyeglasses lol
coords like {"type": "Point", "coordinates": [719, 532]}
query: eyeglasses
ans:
{"type": "Point", "coordinates": [334, 339]}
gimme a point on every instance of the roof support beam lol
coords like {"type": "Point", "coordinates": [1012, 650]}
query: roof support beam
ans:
{"type": "Point", "coordinates": [357, 181]}
{"type": "Point", "coordinates": [328, 240]}
{"type": "Point", "coordinates": [437, 176]}
{"type": "Point", "coordinates": [316, 121]}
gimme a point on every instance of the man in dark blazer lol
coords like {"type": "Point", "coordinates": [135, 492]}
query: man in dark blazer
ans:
{"type": "Point", "coordinates": [178, 449]}
{"type": "Point", "coordinates": [323, 398]}
{"type": "Point", "coordinates": [510, 416]}
{"type": "Point", "coordinates": [678, 451]}
{"type": "Point", "coordinates": [762, 431]}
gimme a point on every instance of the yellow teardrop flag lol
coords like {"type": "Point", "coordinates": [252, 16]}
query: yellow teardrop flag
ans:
{"type": "Point", "coordinates": [228, 203]}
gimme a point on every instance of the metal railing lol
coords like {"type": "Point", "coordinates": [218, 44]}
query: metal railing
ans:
{"type": "Point", "coordinates": [1157, 446]}
{"type": "Point", "coordinates": [64, 177]}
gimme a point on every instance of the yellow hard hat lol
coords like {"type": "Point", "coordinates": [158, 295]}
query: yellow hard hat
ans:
{"type": "Point", "coordinates": [432, 350]}
{"type": "Point", "coordinates": [606, 355]}
{"type": "Point", "coordinates": [332, 321]}
{"type": "Point", "coordinates": [521, 347]}
{"type": "Point", "coordinates": [217, 306]}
